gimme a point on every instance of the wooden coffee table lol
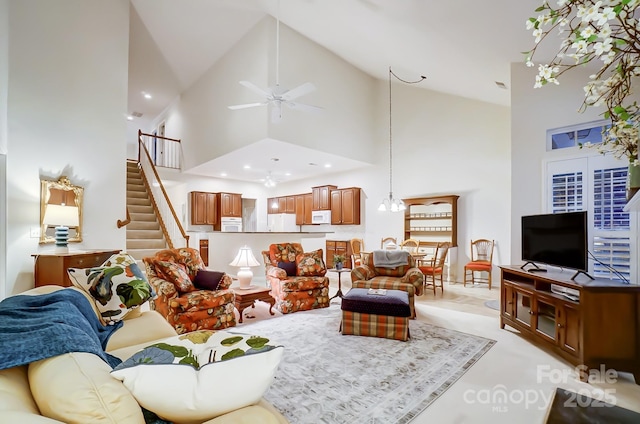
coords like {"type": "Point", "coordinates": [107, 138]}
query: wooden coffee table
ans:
{"type": "Point", "coordinates": [247, 297]}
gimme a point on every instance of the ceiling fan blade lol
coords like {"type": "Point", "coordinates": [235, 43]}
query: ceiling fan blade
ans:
{"type": "Point", "coordinates": [299, 91]}
{"type": "Point", "coordinates": [236, 107]}
{"type": "Point", "coordinates": [305, 107]}
{"type": "Point", "coordinates": [251, 86]}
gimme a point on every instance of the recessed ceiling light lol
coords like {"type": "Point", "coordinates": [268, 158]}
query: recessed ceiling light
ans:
{"type": "Point", "coordinates": [247, 167]}
{"type": "Point", "coordinates": [288, 174]}
{"type": "Point", "coordinates": [129, 118]}
{"type": "Point", "coordinates": [146, 95]}
{"type": "Point", "coordinates": [327, 165]}
{"type": "Point", "coordinates": [223, 174]}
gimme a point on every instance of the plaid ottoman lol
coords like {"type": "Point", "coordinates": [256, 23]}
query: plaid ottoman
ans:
{"type": "Point", "coordinates": [376, 315]}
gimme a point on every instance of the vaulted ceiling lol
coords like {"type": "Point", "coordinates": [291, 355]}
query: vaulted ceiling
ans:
{"type": "Point", "coordinates": [464, 48]}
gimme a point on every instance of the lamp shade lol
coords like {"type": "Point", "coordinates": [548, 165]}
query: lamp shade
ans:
{"type": "Point", "coordinates": [60, 215]}
{"type": "Point", "coordinates": [244, 258]}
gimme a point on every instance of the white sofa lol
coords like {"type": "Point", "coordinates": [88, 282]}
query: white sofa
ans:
{"type": "Point", "coordinates": [78, 386]}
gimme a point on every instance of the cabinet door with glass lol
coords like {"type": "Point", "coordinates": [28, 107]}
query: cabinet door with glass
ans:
{"type": "Point", "coordinates": [523, 307]}
{"type": "Point", "coordinates": [545, 317]}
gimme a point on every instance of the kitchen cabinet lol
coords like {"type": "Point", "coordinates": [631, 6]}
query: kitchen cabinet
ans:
{"type": "Point", "coordinates": [230, 205]}
{"type": "Point", "coordinates": [345, 206]}
{"type": "Point", "coordinates": [322, 197]}
{"type": "Point", "coordinates": [290, 204]}
{"type": "Point", "coordinates": [337, 247]}
{"type": "Point", "coordinates": [304, 206]}
{"type": "Point", "coordinates": [272, 205]}
{"type": "Point", "coordinates": [203, 208]}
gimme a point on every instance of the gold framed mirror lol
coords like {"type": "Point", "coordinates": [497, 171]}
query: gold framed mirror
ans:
{"type": "Point", "coordinates": [60, 205]}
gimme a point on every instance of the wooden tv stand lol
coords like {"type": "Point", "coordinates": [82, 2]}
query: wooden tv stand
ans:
{"type": "Point", "coordinates": [602, 327]}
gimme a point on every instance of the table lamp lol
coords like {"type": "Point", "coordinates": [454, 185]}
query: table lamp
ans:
{"type": "Point", "coordinates": [245, 259]}
{"type": "Point", "coordinates": [62, 217]}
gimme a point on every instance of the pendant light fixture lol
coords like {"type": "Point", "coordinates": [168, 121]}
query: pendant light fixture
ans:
{"type": "Point", "coordinates": [392, 204]}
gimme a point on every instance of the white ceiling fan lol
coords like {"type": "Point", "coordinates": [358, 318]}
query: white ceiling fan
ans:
{"type": "Point", "coordinates": [277, 96]}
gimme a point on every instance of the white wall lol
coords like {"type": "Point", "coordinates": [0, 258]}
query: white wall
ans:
{"type": "Point", "coordinates": [68, 65]}
{"type": "Point", "coordinates": [533, 112]}
{"type": "Point", "coordinates": [208, 129]}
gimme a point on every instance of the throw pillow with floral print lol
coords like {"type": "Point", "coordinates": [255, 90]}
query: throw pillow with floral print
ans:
{"type": "Point", "coordinates": [311, 264]}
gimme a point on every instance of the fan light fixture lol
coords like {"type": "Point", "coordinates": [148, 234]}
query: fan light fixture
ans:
{"type": "Point", "coordinates": [392, 204]}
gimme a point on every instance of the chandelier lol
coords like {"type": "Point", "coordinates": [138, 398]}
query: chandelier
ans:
{"type": "Point", "coordinates": [392, 204]}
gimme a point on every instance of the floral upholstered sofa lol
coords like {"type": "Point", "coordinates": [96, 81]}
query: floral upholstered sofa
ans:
{"type": "Point", "coordinates": [297, 278]}
{"type": "Point", "coordinates": [185, 302]}
{"type": "Point", "coordinates": [405, 277]}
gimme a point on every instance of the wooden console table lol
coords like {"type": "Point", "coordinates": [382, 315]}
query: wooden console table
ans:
{"type": "Point", "coordinates": [51, 268]}
{"type": "Point", "coordinates": [601, 326]}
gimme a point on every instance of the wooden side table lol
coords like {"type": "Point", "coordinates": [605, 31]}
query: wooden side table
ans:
{"type": "Point", "coordinates": [339, 271]}
{"type": "Point", "coordinates": [51, 267]}
{"type": "Point", "coordinates": [247, 297]}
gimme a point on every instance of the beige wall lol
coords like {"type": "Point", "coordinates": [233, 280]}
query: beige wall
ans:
{"type": "Point", "coordinates": [66, 106]}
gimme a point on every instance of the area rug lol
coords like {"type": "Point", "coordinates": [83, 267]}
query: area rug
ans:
{"type": "Point", "coordinates": [493, 304]}
{"type": "Point", "coordinates": [325, 377]}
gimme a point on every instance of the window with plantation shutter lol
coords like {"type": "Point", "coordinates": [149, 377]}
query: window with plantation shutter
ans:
{"type": "Point", "coordinates": [596, 184]}
{"type": "Point", "coordinates": [611, 225]}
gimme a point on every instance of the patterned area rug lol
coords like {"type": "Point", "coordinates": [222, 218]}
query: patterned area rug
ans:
{"type": "Point", "coordinates": [325, 377]}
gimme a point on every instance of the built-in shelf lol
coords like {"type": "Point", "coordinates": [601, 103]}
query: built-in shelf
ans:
{"type": "Point", "coordinates": [431, 220]}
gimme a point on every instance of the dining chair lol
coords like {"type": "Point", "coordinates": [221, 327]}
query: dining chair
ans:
{"type": "Point", "coordinates": [434, 267]}
{"type": "Point", "coordinates": [357, 250]}
{"type": "Point", "coordinates": [481, 261]}
{"type": "Point", "coordinates": [389, 243]}
{"type": "Point", "coordinates": [410, 245]}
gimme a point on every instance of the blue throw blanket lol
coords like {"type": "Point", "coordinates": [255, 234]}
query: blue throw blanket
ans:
{"type": "Point", "coordinates": [35, 327]}
{"type": "Point", "coordinates": [390, 258]}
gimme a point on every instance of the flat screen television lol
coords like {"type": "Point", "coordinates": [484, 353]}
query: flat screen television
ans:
{"type": "Point", "coordinates": [558, 239]}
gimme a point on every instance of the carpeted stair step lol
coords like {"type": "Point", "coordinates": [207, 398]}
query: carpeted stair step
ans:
{"type": "Point", "coordinates": [144, 234]}
{"type": "Point", "coordinates": [140, 209]}
{"type": "Point", "coordinates": [146, 244]}
{"type": "Point", "coordinates": [136, 187]}
{"type": "Point", "coordinates": [138, 201]}
{"type": "Point", "coordinates": [143, 225]}
{"type": "Point", "coordinates": [138, 194]}
{"type": "Point", "coordinates": [143, 217]}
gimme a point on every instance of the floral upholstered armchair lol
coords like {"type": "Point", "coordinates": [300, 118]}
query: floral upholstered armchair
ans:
{"type": "Point", "coordinates": [297, 278]}
{"type": "Point", "coordinates": [190, 297]}
{"type": "Point", "coordinates": [406, 277]}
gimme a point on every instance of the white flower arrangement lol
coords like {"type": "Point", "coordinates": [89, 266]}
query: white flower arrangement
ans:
{"type": "Point", "coordinates": [604, 30]}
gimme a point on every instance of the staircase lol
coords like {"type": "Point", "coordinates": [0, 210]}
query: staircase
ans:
{"type": "Point", "coordinates": [144, 236]}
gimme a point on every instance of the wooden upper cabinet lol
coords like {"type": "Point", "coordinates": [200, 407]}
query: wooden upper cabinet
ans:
{"type": "Point", "coordinates": [282, 204]}
{"type": "Point", "coordinates": [299, 200]}
{"type": "Point", "coordinates": [203, 208]}
{"type": "Point", "coordinates": [322, 197]}
{"type": "Point", "coordinates": [345, 206]}
{"type": "Point", "coordinates": [271, 201]}
{"type": "Point", "coordinates": [308, 207]}
{"type": "Point", "coordinates": [290, 204]}
{"type": "Point", "coordinates": [231, 205]}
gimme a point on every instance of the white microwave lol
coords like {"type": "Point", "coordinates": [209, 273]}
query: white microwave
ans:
{"type": "Point", "coordinates": [321, 217]}
{"type": "Point", "coordinates": [230, 225]}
